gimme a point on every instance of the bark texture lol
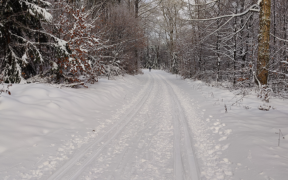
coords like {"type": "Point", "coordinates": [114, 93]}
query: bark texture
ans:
{"type": "Point", "coordinates": [263, 42]}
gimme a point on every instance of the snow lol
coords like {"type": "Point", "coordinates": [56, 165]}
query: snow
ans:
{"type": "Point", "coordinates": [24, 58]}
{"type": "Point", "coordinates": [246, 133]}
{"type": "Point", "coordinates": [31, 12]}
{"type": "Point", "coordinates": [54, 66]}
{"type": "Point", "coordinates": [45, 3]}
{"type": "Point", "coordinates": [39, 10]}
{"type": "Point", "coordinates": [150, 126]}
{"type": "Point", "coordinates": [61, 44]}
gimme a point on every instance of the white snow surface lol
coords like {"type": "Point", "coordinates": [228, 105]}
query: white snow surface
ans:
{"type": "Point", "coordinates": [150, 126]}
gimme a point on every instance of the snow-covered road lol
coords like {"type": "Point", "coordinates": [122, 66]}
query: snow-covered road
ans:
{"type": "Point", "coordinates": [150, 141]}
{"type": "Point", "coordinates": [151, 126]}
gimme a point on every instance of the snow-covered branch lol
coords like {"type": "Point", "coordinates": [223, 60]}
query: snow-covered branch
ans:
{"type": "Point", "coordinates": [253, 8]}
{"type": "Point", "coordinates": [204, 4]}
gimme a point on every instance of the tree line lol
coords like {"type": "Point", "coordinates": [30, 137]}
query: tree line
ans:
{"type": "Point", "coordinates": [69, 42]}
{"type": "Point", "coordinates": [239, 43]}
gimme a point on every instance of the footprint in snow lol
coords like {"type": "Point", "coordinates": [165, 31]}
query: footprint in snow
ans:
{"type": "Point", "coordinates": [228, 131]}
{"type": "Point", "coordinates": [225, 147]}
{"type": "Point", "coordinates": [223, 138]}
{"type": "Point", "coordinates": [217, 123]}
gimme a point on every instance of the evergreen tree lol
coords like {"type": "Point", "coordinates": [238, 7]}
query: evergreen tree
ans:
{"type": "Point", "coordinates": [25, 45]}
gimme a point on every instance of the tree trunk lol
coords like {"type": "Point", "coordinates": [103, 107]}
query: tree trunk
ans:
{"type": "Point", "coordinates": [243, 51]}
{"type": "Point", "coordinates": [263, 42]}
{"type": "Point", "coordinates": [136, 8]}
{"type": "Point", "coordinates": [285, 31]}
{"type": "Point", "coordinates": [136, 50]}
{"type": "Point", "coordinates": [217, 52]}
{"type": "Point", "coordinates": [274, 33]}
{"type": "Point", "coordinates": [199, 49]}
{"type": "Point", "coordinates": [235, 49]}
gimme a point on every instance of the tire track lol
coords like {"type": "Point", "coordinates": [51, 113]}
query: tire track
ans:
{"type": "Point", "coordinates": [180, 122]}
{"type": "Point", "coordinates": [143, 147]}
{"type": "Point", "coordinates": [153, 128]}
{"type": "Point", "coordinates": [71, 166]}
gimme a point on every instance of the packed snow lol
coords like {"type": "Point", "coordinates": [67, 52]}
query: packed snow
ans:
{"type": "Point", "coordinates": [150, 126]}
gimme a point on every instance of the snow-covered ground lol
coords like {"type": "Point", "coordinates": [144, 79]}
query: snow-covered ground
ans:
{"type": "Point", "coordinates": [151, 126]}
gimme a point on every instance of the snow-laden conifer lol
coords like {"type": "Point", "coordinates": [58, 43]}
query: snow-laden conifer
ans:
{"type": "Point", "coordinates": [25, 45]}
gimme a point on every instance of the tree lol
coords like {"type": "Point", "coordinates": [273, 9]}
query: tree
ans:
{"type": "Point", "coordinates": [79, 28]}
{"type": "Point", "coordinates": [24, 43]}
{"type": "Point", "coordinates": [170, 13]}
{"type": "Point", "coordinates": [264, 42]}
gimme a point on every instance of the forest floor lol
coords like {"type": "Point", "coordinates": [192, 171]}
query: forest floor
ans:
{"type": "Point", "coordinates": [150, 126]}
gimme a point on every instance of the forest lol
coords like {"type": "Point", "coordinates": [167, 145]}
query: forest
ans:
{"type": "Point", "coordinates": [237, 44]}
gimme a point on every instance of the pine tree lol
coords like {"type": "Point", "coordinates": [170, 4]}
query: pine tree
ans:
{"type": "Point", "coordinates": [23, 40]}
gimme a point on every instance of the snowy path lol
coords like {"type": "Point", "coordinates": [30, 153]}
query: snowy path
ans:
{"type": "Point", "coordinates": [150, 126]}
{"type": "Point", "coordinates": [146, 128]}
{"type": "Point", "coordinates": [147, 143]}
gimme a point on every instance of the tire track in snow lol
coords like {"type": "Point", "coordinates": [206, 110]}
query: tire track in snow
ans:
{"type": "Point", "coordinates": [141, 138]}
{"type": "Point", "coordinates": [180, 122]}
{"type": "Point", "coordinates": [208, 151]}
{"type": "Point", "coordinates": [156, 139]}
{"type": "Point", "coordinates": [115, 130]}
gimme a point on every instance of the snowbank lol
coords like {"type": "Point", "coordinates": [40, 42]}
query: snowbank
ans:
{"type": "Point", "coordinates": [248, 135]}
{"type": "Point", "coordinates": [37, 119]}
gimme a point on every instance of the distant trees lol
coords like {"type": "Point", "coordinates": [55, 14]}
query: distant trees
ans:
{"type": "Point", "coordinates": [238, 43]}
{"type": "Point", "coordinates": [126, 38]}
